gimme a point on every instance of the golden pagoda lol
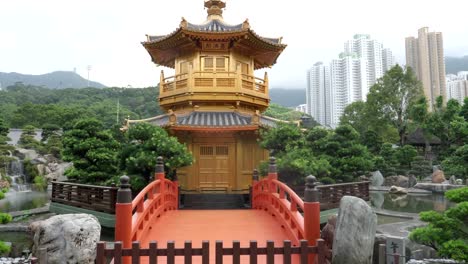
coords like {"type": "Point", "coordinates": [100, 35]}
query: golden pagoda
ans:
{"type": "Point", "coordinates": [214, 102]}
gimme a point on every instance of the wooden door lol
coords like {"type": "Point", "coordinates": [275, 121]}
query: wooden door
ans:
{"type": "Point", "coordinates": [215, 167]}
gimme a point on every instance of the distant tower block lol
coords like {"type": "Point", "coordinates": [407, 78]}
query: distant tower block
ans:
{"type": "Point", "coordinates": [214, 102]}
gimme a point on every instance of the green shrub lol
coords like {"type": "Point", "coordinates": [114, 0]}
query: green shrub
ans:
{"type": "Point", "coordinates": [2, 195]}
{"type": "Point", "coordinates": [5, 190]}
{"type": "Point", "coordinates": [4, 248]}
{"type": "Point", "coordinates": [457, 195]}
{"type": "Point", "coordinates": [40, 182]}
{"type": "Point", "coordinates": [5, 218]}
{"type": "Point", "coordinates": [327, 180]}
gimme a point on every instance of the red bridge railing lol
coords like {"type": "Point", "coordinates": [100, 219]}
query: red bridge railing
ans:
{"type": "Point", "coordinates": [155, 199]}
{"type": "Point", "coordinates": [300, 219]}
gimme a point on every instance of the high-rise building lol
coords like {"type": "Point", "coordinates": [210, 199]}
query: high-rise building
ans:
{"type": "Point", "coordinates": [349, 83]}
{"type": "Point", "coordinates": [318, 93]}
{"type": "Point", "coordinates": [371, 51]}
{"type": "Point", "coordinates": [457, 86]}
{"type": "Point", "coordinates": [348, 79]}
{"type": "Point", "coordinates": [425, 55]}
{"type": "Point", "coordinates": [388, 60]}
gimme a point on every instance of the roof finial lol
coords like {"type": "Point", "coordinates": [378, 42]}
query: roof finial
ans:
{"type": "Point", "coordinates": [215, 8]}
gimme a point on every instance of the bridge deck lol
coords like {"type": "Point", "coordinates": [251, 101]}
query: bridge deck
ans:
{"type": "Point", "coordinates": [212, 225]}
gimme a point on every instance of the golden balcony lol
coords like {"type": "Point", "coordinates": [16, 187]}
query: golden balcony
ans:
{"type": "Point", "coordinates": [213, 86]}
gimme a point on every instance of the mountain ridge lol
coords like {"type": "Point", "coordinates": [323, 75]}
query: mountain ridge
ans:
{"type": "Point", "coordinates": [52, 80]}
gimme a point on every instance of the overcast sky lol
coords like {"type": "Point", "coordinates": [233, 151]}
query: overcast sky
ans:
{"type": "Point", "coordinates": [37, 37]}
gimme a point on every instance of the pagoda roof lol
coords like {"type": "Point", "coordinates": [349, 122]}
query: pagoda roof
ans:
{"type": "Point", "coordinates": [210, 120]}
{"type": "Point", "coordinates": [188, 37]}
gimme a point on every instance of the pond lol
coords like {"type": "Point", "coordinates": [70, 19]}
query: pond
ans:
{"type": "Point", "coordinates": [19, 201]}
{"type": "Point", "coordinates": [410, 203]}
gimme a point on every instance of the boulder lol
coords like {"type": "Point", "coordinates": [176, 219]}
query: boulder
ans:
{"type": "Point", "coordinates": [438, 176]}
{"type": "Point", "coordinates": [412, 181]}
{"type": "Point", "coordinates": [355, 232]}
{"type": "Point", "coordinates": [453, 180]}
{"type": "Point", "coordinates": [376, 178]}
{"type": "Point", "coordinates": [23, 154]}
{"type": "Point", "coordinates": [71, 237]}
{"type": "Point", "coordinates": [397, 190]}
{"type": "Point", "coordinates": [328, 234]}
{"type": "Point", "coordinates": [57, 170]}
{"type": "Point", "coordinates": [399, 181]}
{"type": "Point", "coordinates": [459, 182]}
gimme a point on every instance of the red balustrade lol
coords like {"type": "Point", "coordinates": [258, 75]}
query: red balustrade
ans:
{"type": "Point", "coordinates": [133, 217]}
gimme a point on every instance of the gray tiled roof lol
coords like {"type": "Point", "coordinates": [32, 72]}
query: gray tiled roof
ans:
{"type": "Point", "coordinates": [214, 26]}
{"type": "Point", "coordinates": [214, 119]}
{"type": "Point", "coordinates": [268, 121]}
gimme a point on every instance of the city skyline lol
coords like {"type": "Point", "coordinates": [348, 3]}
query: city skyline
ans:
{"type": "Point", "coordinates": [53, 35]}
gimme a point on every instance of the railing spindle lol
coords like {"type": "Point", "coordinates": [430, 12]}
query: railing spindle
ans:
{"type": "Point", "coordinates": [270, 252]}
{"type": "Point", "coordinates": [253, 252]}
{"type": "Point", "coordinates": [136, 252]}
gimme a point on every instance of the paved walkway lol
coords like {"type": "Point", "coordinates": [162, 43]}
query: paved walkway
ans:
{"type": "Point", "coordinates": [212, 225]}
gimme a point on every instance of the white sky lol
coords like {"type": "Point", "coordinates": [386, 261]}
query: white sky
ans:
{"type": "Point", "coordinates": [37, 37]}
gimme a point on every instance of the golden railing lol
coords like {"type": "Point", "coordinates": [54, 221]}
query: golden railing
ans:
{"type": "Point", "coordinates": [203, 81]}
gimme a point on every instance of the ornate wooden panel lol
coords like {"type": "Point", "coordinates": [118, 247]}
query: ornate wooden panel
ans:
{"type": "Point", "coordinates": [215, 166]}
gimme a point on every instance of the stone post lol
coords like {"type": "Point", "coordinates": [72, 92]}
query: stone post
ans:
{"type": "Point", "coordinates": [311, 214]}
{"type": "Point", "coordinates": [124, 215]}
{"type": "Point", "coordinates": [272, 174]}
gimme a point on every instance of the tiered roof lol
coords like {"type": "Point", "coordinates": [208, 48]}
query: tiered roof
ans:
{"type": "Point", "coordinates": [188, 37]}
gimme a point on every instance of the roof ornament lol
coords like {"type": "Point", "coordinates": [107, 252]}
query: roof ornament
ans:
{"type": "Point", "coordinates": [246, 24]}
{"type": "Point", "coordinates": [183, 23]}
{"type": "Point", "coordinates": [215, 9]}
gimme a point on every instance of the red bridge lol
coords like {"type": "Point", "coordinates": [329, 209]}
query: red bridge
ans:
{"type": "Point", "coordinates": [279, 228]}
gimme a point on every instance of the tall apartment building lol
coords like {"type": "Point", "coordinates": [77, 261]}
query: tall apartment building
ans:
{"type": "Point", "coordinates": [388, 60]}
{"type": "Point", "coordinates": [457, 86]}
{"type": "Point", "coordinates": [425, 54]}
{"type": "Point", "coordinates": [318, 97]}
{"type": "Point", "coordinates": [348, 79]}
{"type": "Point", "coordinates": [349, 83]}
{"type": "Point", "coordinates": [369, 50]}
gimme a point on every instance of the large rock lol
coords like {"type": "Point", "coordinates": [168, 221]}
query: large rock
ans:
{"type": "Point", "coordinates": [397, 190]}
{"type": "Point", "coordinates": [376, 179]}
{"type": "Point", "coordinates": [68, 238]}
{"type": "Point", "coordinates": [453, 180]}
{"type": "Point", "coordinates": [399, 181]}
{"type": "Point", "coordinates": [412, 181]}
{"type": "Point", "coordinates": [56, 170]}
{"type": "Point", "coordinates": [438, 176]}
{"type": "Point", "coordinates": [328, 234]}
{"type": "Point", "coordinates": [355, 232]}
{"type": "Point", "coordinates": [24, 154]}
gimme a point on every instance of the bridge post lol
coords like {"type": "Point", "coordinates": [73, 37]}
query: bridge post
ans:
{"type": "Point", "coordinates": [123, 215]}
{"type": "Point", "coordinates": [272, 173]}
{"type": "Point", "coordinates": [251, 188]}
{"type": "Point", "coordinates": [311, 214]}
{"type": "Point", "coordinates": [159, 175]}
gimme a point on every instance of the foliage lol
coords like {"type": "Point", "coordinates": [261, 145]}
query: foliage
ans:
{"type": "Point", "coordinates": [145, 143]}
{"type": "Point", "coordinates": [457, 195]}
{"type": "Point", "coordinates": [2, 195]}
{"type": "Point", "coordinates": [4, 248]}
{"type": "Point", "coordinates": [390, 99]}
{"type": "Point", "coordinates": [283, 113]}
{"type": "Point", "coordinates": [5, 218]}
{"type": "Point", "coordinates": [27, 139]}
{"type": "Point", "coordinates": [49, 130]}
{"type": "Point", "coordinates": [420, 167]}
{"type": "Point", "coordinates": [40, 182]}
{"type": "Point", "coordinates": [22, 105]}
{"type": "Point", "coordinates": [327, 180]}
{"type": "Point", "coordinates": [30, 169]}
{"type": "Point", "coordinates": [5, 190]}
{"type": "Point", "coordinates": [276, 140]}
{"type": "Point", "coordinates": [446, 232]}
{"type": "Point", "coordinates": [92, 150]}
{"type": "Point", "coordinates": [405, 155]}
{"type": "Point", "coordinates": [456, 164]}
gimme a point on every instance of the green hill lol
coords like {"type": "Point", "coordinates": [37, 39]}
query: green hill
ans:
{"type": "Point", "coordinates": [53, 80]}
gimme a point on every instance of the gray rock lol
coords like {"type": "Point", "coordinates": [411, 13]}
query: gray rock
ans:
{"type": "Point", "coordinates": [26, 154]}
{"type": "Point", "coordinates": [436, 187]}
{"type": "Point", "coordinates": [355, 232]}
{"type": "Point", "coordinates": [459, 181]}
{"type": "Point", "coordinates": [40, 160]}
{"type": "Point", "coordinates": [376, 179]}
{"type": "Point", "coordinates": [412, 181]}
{"type": "Point", "coordinates": [377, 199]}
{"type": "Point", "coordinates": [453, 180]}
{"type": "Point", "coordinates": [397, 190]}
{"type": "Point", "coordinates": [399, 181]}
{"type": "Point", "coordinates": [435, 168]}
{"type": "Point", "coordinates": [70, 237]}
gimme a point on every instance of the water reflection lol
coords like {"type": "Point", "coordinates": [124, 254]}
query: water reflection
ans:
{"type": "Point", "coordinates": [409, 203]}
{"type": "Point", "coordinates": [18, 201]}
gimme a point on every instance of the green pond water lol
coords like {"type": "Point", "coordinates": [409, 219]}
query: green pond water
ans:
{"type": "Point", "coordinates": [410, 203]}
{"type": "Point", "coordinates": [19, 201]}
